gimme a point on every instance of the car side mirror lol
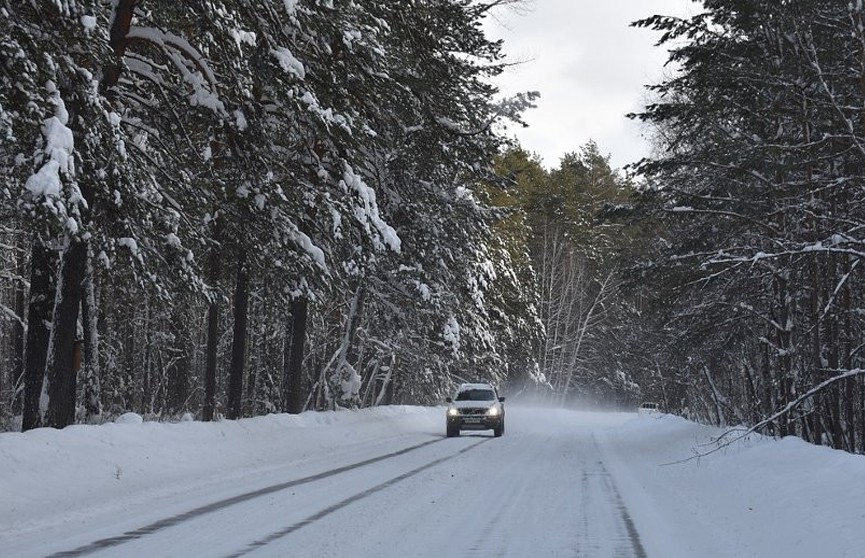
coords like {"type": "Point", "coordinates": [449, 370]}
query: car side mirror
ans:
{"type": "Point", "coordinates": [501, 399]}
{"type": "Point", "coordinates": [449, 400]}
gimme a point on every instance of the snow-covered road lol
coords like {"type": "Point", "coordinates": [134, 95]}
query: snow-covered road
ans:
{"type": "Point", "coordinates": [541, 490]}
{"type": "Point", "coordinates": [386, 482]}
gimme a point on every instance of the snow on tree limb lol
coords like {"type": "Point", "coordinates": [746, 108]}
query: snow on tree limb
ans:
{"type": "Point", "coordinates": [180, 51]}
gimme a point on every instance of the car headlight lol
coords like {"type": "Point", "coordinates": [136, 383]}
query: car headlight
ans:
{"type": "Point", "coordinates": [493, 411]}
{"type": "Point", "coordinates": [453, 411]}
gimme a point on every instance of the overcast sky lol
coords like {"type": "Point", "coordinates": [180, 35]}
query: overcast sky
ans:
{"type": "Point", "coordinates": [590, 68]}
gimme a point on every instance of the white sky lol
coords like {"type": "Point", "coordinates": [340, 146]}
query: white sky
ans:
{"type": "Point", "coordinates": [590, 68]}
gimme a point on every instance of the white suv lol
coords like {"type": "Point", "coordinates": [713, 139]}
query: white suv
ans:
{"type": "Point", "coordinates": [649, 408]}
{"type": "Point", "coordinates": [475, 407]}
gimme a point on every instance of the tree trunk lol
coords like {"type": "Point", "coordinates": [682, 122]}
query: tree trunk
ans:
{"type": "Point", "coordinates": [833, 394]}
{"type": "Point", "coordinates": [210, 371]}
{"type": "Point", "coordinates": [816, 419]}
{"type": "Point", "coordinates": [346, 367]}
{"type": "Point", "coordinates": [92, 374]}
{"type": "Point", "coordinates": [768, 391]}
{"type": "Point", "coordinates": [209, 408]}
{"type": "Point", "coordinates": [783, 338]}
{"type": "Point", "coordinates": [238, 347]}
{"type": "Point", "coordinates": [293, 365]}
{"type": "Point", "coordinates": [39, 308]}
{"type": "Point", "coordinates": [390, 390]}
{"type": "Point", "coordinates": [861, 401]}
{"type": "Point", "coordinates": [178, 372]}
{"type": "Point", "coordinates": [385, 387]}
{"type": "Point", "coordinates": [148, 389]}
{"type": "Point", "coordinates": [18, 333]}
{"type": "Point", "coordinates": [847, 358]}
{"type": "Point", "coordinates": [119, 30]}
{"type": "Point", "coordinates": [62, 375]}
{"type": "Point", "coordinates": [126, 315]}
{"type": "Point", "coordinates": [252, 379]}
{"type": "Point", "coordinates": [813, 362]}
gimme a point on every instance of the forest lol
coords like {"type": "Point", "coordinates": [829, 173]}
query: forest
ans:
{"type": "Point", "coordinates": [227, 208]}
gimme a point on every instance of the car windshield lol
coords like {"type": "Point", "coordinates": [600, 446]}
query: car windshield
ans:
{"type": "Point", "coordinates": [476, 395]}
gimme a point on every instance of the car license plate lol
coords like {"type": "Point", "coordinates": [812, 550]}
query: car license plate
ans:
{"type": "Point", "coordinates": [472, 420]}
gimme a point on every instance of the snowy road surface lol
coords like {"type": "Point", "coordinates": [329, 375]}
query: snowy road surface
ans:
{"type": "Point", "coordinates": [386, 482]}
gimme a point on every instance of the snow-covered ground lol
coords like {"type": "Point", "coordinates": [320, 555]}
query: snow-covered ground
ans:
{"type": "Point", "coordinates": [386, 482]}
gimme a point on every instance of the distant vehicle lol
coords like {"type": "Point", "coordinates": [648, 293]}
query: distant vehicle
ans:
{"type": "Point", "coordinates": [475, 407]}
{"type": "Point", "coordinates": [648, 408]}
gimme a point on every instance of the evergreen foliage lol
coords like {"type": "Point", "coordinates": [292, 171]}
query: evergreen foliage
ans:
{"type": "Point", "coordinates": [560, 228]}
{"type": "Point", "coordinates": [240, 207]}
{"type": "Point", "coordinates": [757, 189]}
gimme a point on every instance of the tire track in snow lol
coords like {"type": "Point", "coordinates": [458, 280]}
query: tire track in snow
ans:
{"type": "Point", "coordinates": [632, 546]}
{"type": "Point", "coordinates": [162, 524]}
{"type": "Point", "coordinates": [491, 542]}
{"type": "Point", "coordinates": [351, 499]}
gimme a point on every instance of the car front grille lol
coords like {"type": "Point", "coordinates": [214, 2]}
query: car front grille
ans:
{"type": "Point", "coordinates": [473, 411]}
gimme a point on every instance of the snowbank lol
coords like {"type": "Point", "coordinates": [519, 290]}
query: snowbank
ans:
{"type": "Point", "coordinates": [759, 497]}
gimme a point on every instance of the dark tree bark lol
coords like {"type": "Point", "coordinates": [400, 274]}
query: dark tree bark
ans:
{"type": "Point", "coordinates": [149, 385]}
{"type": "Point", "coordinates": [178, 387]}
{"type": "Point", "coordinates": [17, 370]}
{"type": "Point", "coordinates": [38, 318]}
{"type": "Point", "coordinates": [251, 384]}
{"type": "Point", "coordinates": [61, 371]}
{"type": "Point", "coordinates": [389, 391]}
{"type": "Point", "coordinates": [238, 347]}
{"type": "Point", "coordinates": [293, 365]}
{"type": "Point", "coordinates": [118, 41]}
{"type": "Point", "coordinates": [210, 370]}
{"type": "Point", "coordinates": [861, 382]}
{"type": "Point", "coordinates": [847, 356]}
{"type": "Point", "coordinates": [126, 316]}
{"type": "Point", "coordinates": [92, 375]}
{"type": "Point", "coordinates": [783, 339]}
{"type": "Point", "coordinates": [179, 370]}
{"type": "Point", "coordinates": [208, 411]}
{"type": "Point", "coordinates": [352, 351]}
